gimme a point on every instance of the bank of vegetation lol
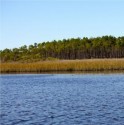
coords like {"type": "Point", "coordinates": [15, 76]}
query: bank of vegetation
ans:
{"type": "Point", "coordinates": [64, 65]}
{"type": "Point", "coordinates": [75, 54]}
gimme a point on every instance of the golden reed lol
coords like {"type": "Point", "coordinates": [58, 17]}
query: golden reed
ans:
{"type": "Point", "coordinates": [64, 65]}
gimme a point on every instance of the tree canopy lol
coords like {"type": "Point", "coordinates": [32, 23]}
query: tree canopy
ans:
{"type": "Point", "coordinates": [74, 48]}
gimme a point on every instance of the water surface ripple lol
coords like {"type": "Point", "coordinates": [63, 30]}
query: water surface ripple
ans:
{"type": "Point", "coordinates": [62, 99]}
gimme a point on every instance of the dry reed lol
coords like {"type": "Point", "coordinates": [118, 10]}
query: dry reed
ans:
{"type": "Point", "coordinates": [64, 65]}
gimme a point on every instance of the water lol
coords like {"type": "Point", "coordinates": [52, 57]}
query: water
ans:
{"type": "Point", "coordinates": [62, 99]}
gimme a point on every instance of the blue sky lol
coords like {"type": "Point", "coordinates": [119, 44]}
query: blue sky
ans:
{"type": "Point", "coordinates": [24, 22]}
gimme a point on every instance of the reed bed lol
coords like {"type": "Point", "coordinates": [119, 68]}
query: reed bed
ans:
{"type": "Point", "coordinates": [64, 65]}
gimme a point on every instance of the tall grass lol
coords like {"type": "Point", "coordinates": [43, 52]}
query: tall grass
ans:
{"type": "Point", "coordinates": [64, 65]}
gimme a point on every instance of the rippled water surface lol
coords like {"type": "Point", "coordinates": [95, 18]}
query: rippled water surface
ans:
{"type": "Point", "coordinates": [62, 99]}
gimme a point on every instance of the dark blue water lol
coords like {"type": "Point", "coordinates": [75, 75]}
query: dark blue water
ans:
{"type": "Point", "coordinates": [62, 99]}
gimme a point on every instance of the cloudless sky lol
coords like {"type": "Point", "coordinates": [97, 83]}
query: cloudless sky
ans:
{"type": "Point", "coordinates": [24, 22]}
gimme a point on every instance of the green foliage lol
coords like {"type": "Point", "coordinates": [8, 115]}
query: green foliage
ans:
{"type": "Point", "coordinates": [51, 59]}
{"type": "Point", "coordinates": [74, 48]}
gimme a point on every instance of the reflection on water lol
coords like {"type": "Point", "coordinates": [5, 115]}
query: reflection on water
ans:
{"type": "Point", "coordinates": [62, 99]}
{"type": "Point", "coordinates": [72, 72]}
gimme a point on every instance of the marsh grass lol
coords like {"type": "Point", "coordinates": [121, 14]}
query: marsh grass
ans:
{"type": "Point", "coordinates": [64, 65]}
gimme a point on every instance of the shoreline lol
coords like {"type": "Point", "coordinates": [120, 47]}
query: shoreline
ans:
{"type": "Point", "coordinates": [66, 72]}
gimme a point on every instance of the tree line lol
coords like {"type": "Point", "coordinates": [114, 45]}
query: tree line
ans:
{"type": "Point", "coordinates": [74, 48]}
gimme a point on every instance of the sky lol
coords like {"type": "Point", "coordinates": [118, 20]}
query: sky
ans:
{"type": "Point", "coordinates": [25, 22]}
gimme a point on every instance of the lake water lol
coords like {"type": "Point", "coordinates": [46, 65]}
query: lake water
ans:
{"type": "Point", "coordinates": [62, 99]}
